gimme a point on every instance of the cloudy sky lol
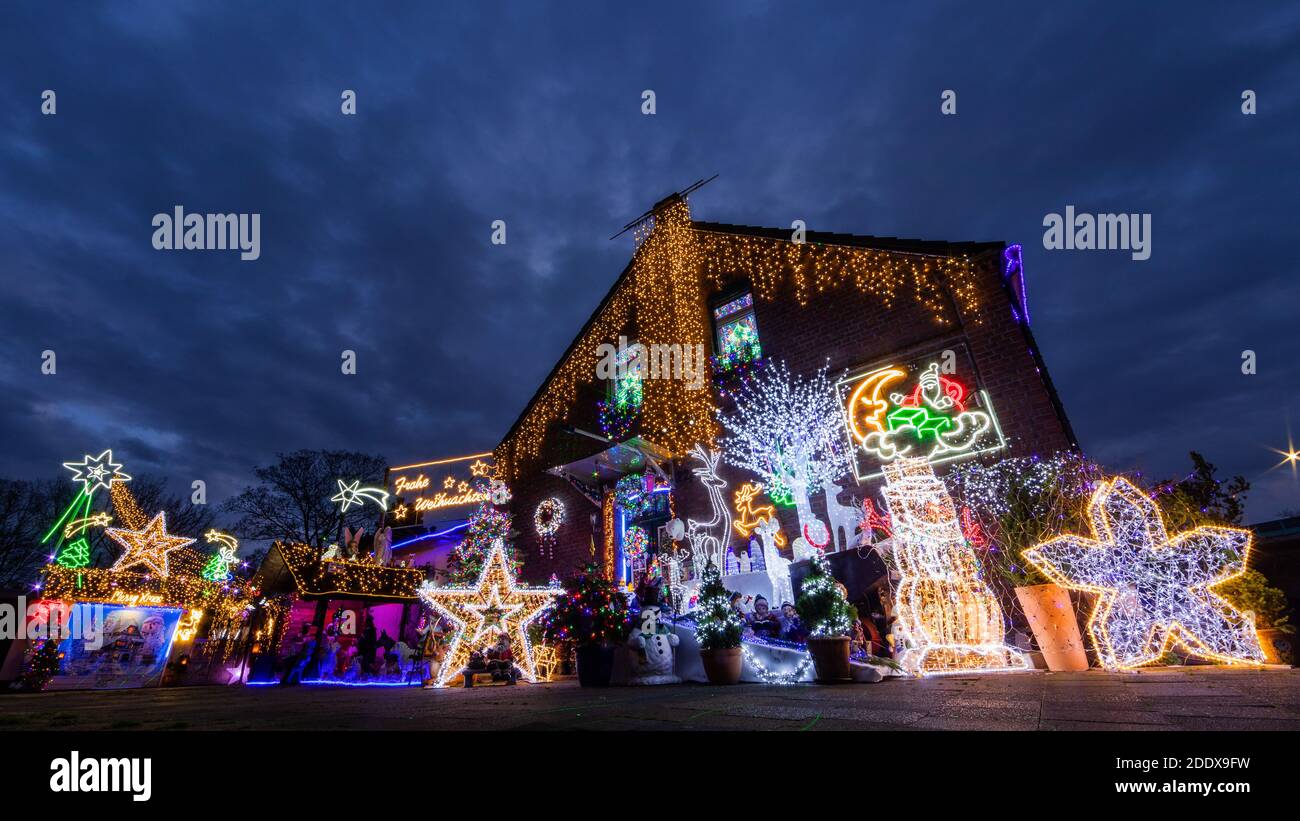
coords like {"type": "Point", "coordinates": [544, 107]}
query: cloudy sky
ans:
{"type": "Point", "coordinates": [375, 228]}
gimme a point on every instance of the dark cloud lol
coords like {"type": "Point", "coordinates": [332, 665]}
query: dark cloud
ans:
{"type": "Point", "coordinates": [375, 228]}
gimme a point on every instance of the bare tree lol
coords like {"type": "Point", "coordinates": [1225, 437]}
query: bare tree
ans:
{"type": "Point", "coordinates": [183, 517]}
{"type": "Point", "coordinates": [292, 501]}
{"type": "Point", "coordinates": [27, 511]}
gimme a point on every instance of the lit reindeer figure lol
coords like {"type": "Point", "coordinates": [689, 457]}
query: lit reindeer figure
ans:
{"type": "Point", "coordinates": [843, 519]}
{"type": "Point", "coordinates": [778, 567]}
{"type": "Point", "coordinates": [705, 546]}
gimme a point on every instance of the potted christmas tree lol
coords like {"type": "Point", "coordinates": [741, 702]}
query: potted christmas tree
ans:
{"type": "Point", "coordinates": [592, 614]}
{"type": "Point", "coordinates": [829, 617]}
{"type": "Point", "coordinates": [718, 628]}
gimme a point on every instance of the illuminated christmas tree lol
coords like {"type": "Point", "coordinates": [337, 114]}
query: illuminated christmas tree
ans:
{"type": "Point", "coordinates": [487, 526]}
{"type": "Point", "coordinates": [717, 624]}
{"type": "Point", "coordinates": [822, 605]}
{"type": "Point", "coordinates": [75, 554]}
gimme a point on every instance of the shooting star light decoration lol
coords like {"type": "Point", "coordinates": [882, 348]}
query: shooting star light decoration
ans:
{"type": "Point", "coordinates": [350, 495]}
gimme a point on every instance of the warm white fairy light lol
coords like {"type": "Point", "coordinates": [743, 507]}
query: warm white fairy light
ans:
{"type": "Point", "coordinates": [147, 546]}
{"type": "Point", "coordinates": [951, 619]}
{"type": "Point", "coordinates": [493, 603]}
{"type": "Point", "coordinates": [1153, 590]}
{"type": "Point", "coordinates": [788, 430]}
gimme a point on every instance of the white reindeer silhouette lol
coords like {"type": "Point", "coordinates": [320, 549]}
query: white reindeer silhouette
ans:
{"type": "Point", "coordinates": [842, 518]}
{"type": "Point", "coordinates": [778, 567]}
{"type": "Point", "coordinates": [705, 546]}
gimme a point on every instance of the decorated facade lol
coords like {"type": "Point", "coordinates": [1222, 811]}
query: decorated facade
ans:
{"type": "Point", "coordinates": [737, 394]}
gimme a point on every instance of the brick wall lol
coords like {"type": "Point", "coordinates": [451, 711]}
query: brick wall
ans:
{"type": "Point", "coordinates": [845, 329]}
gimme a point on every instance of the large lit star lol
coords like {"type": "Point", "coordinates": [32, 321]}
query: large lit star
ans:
{"type": "Point", "coordinates": [350, 495]}
{"type": "Point", "coordinates": [493, 605]}
{"type": "Point", "coordinates": [1152, 590]}
{"type": "Point", "coordinates": [149, 545]}
{"type": "Point", "coordinates": [95, 472]}
{"type": "Point", "coordinates": [479, 468]}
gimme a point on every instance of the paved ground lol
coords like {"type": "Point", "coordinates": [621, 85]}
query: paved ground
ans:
{"type": "Point", "coordinates": [1199, 698]}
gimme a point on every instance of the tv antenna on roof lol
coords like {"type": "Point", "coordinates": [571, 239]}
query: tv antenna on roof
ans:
{"type": "Point", "coordinates": [680, 195]}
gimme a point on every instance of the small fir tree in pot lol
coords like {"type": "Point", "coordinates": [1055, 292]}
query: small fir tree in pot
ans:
{"type": "Point", "coordinates": [830, 618]}
{"type": "Point", "coordinates": [592, 614]}
{"type": "Point", "coordinates": [718, 628]}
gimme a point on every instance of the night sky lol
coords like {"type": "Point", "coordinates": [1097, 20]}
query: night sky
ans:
{"type": "Point", "coordinates": [375, 228]}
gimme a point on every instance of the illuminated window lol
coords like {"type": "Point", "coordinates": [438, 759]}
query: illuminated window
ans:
{"type": "Point", "coordinates": [625, 389]}
{"type": "Point", "coordinates": [737, 333]}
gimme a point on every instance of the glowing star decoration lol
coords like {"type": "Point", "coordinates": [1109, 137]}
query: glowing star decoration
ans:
{"type": "Point", "coordinates": [480, 469]}
{"type": "Point", "coordinates": [148, 546]}
{"type": "Point", "coordinates": [350, 495]}
{"type": "Point", "coordinates": [77, 525]}
{"type": "Point", "coordinates": [494, 604]}
{"type": "Point", "coordinates": [95, 472]}
{"type": "Point", "coordinates": [938, 419]}
{"type": "Point", "coordinates": [951, 618]}
{"type": "Point", "coordinates": [1153, 590]}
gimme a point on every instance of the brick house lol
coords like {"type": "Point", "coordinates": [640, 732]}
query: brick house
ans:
{"type": "Point", "coordinates": [868, 308]}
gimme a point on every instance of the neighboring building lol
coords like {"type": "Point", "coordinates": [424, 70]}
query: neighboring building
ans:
{"type": "Point", "coordinates": [882, 311]}
{"type": "Point", "coordinates": [1277, 555]}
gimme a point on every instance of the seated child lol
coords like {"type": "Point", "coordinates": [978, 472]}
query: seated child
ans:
{"type": "Point", "coordinates": [764, 622]}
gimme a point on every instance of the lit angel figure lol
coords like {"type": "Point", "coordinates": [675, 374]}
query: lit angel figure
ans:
{"type": "Point", "coordinates": [1152, 590]}
{"type": "Point", "coordinates": [950, 616]}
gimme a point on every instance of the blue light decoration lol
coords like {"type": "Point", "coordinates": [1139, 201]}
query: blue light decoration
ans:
{"type": "Point", "coordinates": [1013, 274]}
{"type": "Point", "coordinates": [461, 526]}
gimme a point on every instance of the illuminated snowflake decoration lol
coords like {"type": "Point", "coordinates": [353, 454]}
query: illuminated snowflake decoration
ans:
{"type": "Point", "coordinates": [1152, 590]}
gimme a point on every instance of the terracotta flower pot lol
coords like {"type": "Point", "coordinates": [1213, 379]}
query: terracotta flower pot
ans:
{"type": "Point", "coordinates": [722, 666]}
{"type": "Point", "coordinates": [1278, 647]}
{"type": "Point", "coordinates": [1050, 614]}
{"type": "Point", "coordinates": [830, 656]}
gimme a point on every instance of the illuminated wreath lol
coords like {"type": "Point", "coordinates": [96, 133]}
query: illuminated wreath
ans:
{"type": "Point", "coordinates": [635, 542]}
{"type": "Point", "coordinates": [629, 494]}
{"type": "Point", "coordinates": [548, 517]}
